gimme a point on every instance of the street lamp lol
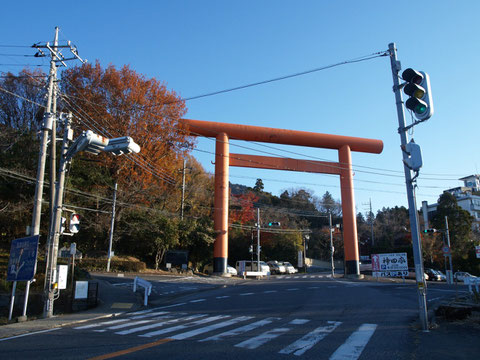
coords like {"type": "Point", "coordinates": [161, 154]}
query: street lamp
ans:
{"type": "Point", "coordinates": [92, 143]}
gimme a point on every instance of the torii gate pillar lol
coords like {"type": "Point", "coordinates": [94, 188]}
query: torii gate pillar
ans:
{"type": "Point", "coordinates": [348, 211]}
{"type": "Point", "coordinates": [220, 250]}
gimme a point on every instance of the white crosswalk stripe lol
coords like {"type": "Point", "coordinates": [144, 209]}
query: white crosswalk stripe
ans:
{"type": "Point", "coordinates": [353, 347]}
{"type": "Point", "coordinates": [261, 339]}
{"type": "Point", "coordinates": [184, 326]}
{"type": "Point", "coordinates": [242, 330]}
{"type": "Point", "coordinates": [209, 328]}
{"type": "Point", "coordinates": [205, 328]}
{"type": "Point", "coordinates": [310, 339]}
{"type": "Point", "coordinates": [159, 324]}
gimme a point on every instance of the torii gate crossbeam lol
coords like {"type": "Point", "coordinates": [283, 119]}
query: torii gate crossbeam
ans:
{"type": "Point", "coordinates": [223, 159]}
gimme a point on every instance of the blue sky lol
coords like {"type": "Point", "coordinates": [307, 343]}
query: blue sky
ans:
{"type": "Point", "coordinates": [198, 47]}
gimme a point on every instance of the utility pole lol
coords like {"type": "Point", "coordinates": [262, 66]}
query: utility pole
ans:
{"type": "Point", "coordinates": [49, 124]}
{"type": "Point", "coordinates": [449, 273]}
{"type": "Point", "coordinates": [112, 224]}
{"type": "Point", "coordinates": [412, 207]}
{"type": "Point", "coordinates": [371, 222]}
{"type": "Point", "coordinates": [258, 239]}
{"type": "Point", "coordinates": [183, 189]}
{"type": "Point", "coordinates": [55, 234]}
{"type": "Point", "coordinates": [332, 249]}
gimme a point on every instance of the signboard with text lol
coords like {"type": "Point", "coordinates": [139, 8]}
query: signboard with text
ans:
{"type": "Point", "coordinates": [477, 251]}
{"type": "Point", "coordinates": [23, 259]}
{"type": "Point", "coordinates": [389, 265]}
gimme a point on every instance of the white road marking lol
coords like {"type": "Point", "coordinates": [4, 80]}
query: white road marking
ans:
{"type": "Point", "coordinates": [246, 294]}
{"type": "Point", "coordinates": [100, 324]}
{"type": "Point", "coordinates": [222, 297]}
{"type": "Point", "coordinates": [121, 326]}
{"type": "Point", "coordinates": [149, 315]}
{"type": "Point", "coordinates": [299, 321]}
{"type": "Point", "coordinates": [353, 347]}
{"type": "Point", "coordinates": [261, 339]}
{"type": "Point", "coordinates": [270, 291]}
{"type": "Point", "coordinates": [313, 287]}
{"type": "Point", "coordinates": [159, 324]}
{"type": "Point", "coordinates": [184, 326]}
{"type": "Point", "coordinates": [198, 300]}
{"type": "Point", "coordinates": [242, 329]}
{"type": "Point", "coordinates": [205, 329]}
{"type": "Point", "coordinates": [309, 340]}
{"type": "Point", "coordinates": [292, 289]}
{"type": "Point", "coordinates": [28, 334]}
{"type": "Point", "coordinates": [157, 308]}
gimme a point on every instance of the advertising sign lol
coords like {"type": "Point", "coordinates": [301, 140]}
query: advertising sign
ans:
{"type": "Point", "coordinates": [23, 259]}
{"type": "Point", "coordinates": [477, 251]}
{"type": "Point", "coordinates": [62, 276]}
{"type": "Point", "coordinates": [389, 265]}
{"type": "Point", "coordinates": [81, 289]}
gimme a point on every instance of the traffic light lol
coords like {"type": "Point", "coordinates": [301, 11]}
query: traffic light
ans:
{"type": "Point", "coordinates": [74, 223]}
{"type": "Point", "coordinates": [274, 223]}
{"type": "Point", "coordinates": [414, 161]}
{"type": "Point", "coordinates": [417, 86]}
{"type": "Point", "coordinates": [62, 225]}
{"type": "Point", "coordinates": [430, 231]}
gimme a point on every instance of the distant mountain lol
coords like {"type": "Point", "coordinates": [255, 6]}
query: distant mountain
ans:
{"type": "Point", "coordinates": [237, 189]}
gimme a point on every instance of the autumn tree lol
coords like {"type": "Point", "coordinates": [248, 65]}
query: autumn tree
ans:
{"type": "Point", "coordinates": [121, 102]}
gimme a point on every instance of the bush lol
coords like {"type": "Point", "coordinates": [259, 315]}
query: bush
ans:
{"type": "Point", "coordinates": [115, 265]}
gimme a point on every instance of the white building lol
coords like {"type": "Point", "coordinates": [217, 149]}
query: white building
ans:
{"type": "Point", "coordinates": [468, 198]}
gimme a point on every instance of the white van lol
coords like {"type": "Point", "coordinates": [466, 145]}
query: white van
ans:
{"type": "Point", "coordinates": [251, 266]}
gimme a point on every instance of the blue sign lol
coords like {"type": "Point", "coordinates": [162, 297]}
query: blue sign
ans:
{"type": "Point", "coordinates": [23, 259]}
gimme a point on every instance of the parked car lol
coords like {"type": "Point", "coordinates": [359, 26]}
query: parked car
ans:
{"type": "Point", "coordinates": [208, 269]}
{"type": "Point", "coordinates": [365, 265]}
{"type": "Point", "coordinates": [412, 275]}
{"type": "Point", "coordinates": [276, 267]}
{"type": "Point", "coordinates": [435, 275]}
{"type": "Point", "coordinates": [252, 266]}
{"type": "Point", "coordinates": [289, 268]}
{"type": "Point", "coordinates": [461, 276]}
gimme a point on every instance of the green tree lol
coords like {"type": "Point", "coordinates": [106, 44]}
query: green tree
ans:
{"type": "Point", "coordinates": [459, 224]}
{"type": "Point", "coordinates": [258, 186]}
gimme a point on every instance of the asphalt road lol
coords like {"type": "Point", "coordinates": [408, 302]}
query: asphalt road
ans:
{"type": "Point", "coordinates": [305, 316]}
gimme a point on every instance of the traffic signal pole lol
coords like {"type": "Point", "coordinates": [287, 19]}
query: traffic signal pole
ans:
{"type": "Point", "coordinates": [412, 206]}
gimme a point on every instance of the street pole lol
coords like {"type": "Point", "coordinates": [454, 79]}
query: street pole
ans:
{"type": "Point", "coordinates": [449, 272]}
{"type": "Point", "coordinates": [331, 246]}
{"type": "Point", "coordinates": [112, 223]}
{"type": "Point", "coordinates": [183, 189]}
{"type": "Point", "coordinates": [42, 156]}
{"type": "Point", "coordinates": [258, 239]}
{"type": "Point", "coordinates": [371, 223]}
{"type": "Point", "coordinates": [412, 207]}
{"type": "Point", "coordinates": [55, 234]}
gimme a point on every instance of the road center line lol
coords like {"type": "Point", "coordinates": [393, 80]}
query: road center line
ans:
{"type": "Point", "coordinates": [131, 350]}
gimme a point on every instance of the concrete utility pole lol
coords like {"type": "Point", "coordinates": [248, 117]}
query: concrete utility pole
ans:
{"type": "Point", "coordinates": [183, 189]}
{"type": "Point", "coordinates": [258, 239]}
{"type": "Point", "coordinates": [55, 234]}
{"type": "Point", "coordinates": [332, 249]}
{"type": "Point", "coordinates": [412, 206]}
{"type": "Point", "coordinates": [47, 125]}
{"type": "Point", "coordinates": [449, 273]}
{"type": "Point", "coordinates": [112, 224]}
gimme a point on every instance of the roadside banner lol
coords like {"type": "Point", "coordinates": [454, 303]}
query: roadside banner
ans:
{"type": "Point", "coordinates": [389, 265]}
{"type": "Point", "coordinates": [477, 251]}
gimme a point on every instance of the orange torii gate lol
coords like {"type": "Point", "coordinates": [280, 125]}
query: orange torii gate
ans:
{"type": "Point", "coordinates": [223, 159]}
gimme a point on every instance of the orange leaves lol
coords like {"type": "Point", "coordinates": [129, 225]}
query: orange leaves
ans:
{"type": "Point", "coordinates": [242, 210]}
{"type": "Point", "coordinates": [120, 102]}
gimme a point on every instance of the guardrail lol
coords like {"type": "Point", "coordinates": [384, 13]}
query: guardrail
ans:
{"type": "Point", "coordinates": [146, 285]}
{"type": "Point", "coordinates": [472, 282]}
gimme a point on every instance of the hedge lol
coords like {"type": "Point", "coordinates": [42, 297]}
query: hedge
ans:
{"type": "Point", "coordinates": [115, 265]}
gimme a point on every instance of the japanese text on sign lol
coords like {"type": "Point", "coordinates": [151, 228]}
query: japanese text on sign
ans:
{"type": "Point", "coordinates": [389, 265]}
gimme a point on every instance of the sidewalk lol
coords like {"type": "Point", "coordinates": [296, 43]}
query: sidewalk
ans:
{"type": "Point", "coordinates": [112, 301]}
